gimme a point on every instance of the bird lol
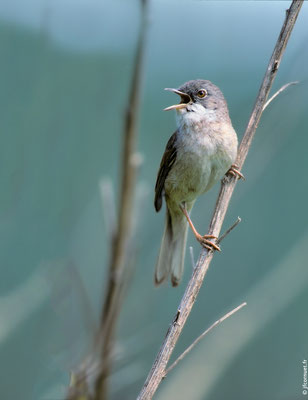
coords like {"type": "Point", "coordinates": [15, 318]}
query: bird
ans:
{"type": "Point", "coordinates": [198, 154]}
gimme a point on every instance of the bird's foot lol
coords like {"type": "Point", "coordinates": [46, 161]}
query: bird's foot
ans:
{"type": "Point", "coordinates": [208, 244]}
{"type": "Point", "coordinates": [235, 172]}
{"type": "Point", "coordinates": [203, 240]}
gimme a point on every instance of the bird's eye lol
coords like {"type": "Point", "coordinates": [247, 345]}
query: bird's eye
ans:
{"type": "Point", "coordinates": [202, 93]}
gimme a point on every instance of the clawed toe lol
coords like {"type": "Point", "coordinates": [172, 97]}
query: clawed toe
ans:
{"type": "Point", "coordinates": [208, 244]}
{"type": "Point", "coordinates": [203, 240]}
{"type": "Point", "coordinates": [235, 172]}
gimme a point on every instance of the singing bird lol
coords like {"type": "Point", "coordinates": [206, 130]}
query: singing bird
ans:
{"type": "Point", "coordinates": [200, 152]}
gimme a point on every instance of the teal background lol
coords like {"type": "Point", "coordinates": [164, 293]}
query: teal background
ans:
{"type": "Point", "coordinates": [65, 72]}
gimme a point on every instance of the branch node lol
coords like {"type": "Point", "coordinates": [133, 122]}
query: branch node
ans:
{"type": "Point", "coordinates": [175, 321]}
{"type": "Point", "coordinates": [275, 66]}
{"type": "Point", "coordinates": [136, 160]}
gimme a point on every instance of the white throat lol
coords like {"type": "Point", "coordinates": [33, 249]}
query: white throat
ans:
{"type": "Point", "coordinates": [194, 116]}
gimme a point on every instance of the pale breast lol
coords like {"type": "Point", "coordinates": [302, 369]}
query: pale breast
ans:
{"type": "Point", "coordinates": [202, 159]}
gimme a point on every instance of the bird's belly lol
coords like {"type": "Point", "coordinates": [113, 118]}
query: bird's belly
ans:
{"type": "Point", "coordinates": [193, 174]}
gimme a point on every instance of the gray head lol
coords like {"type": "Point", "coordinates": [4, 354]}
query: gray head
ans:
{"type": "Point", "coordinates": [200, 96]}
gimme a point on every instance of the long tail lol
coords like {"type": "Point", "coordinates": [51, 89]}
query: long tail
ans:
{"type": "Point", "coordinates": [172, 249]}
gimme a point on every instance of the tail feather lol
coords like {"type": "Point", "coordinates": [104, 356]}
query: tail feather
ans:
{"type": "Point", "coordinates": [180, 226]}
{"type": "Point", "coordinates": [163, 263]}
{"type": "Point", "coordinates": [172, 250]}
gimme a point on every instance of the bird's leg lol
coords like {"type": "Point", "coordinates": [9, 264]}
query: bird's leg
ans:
{"type": "Point", "coordinates": [203, 240]}
{"type": "Point", "coordinates": [234, 171]}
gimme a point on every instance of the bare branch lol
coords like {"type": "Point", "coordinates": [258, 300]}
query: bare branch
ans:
{"type": "Point", "coordinates": [219, 321]}
{"type": "Point", "coordinates": [284, 87]}
{"type": "Point", "coordinates": [159, 366]}
{"type": "Point", "coordinates": [130, 163]}
{"type": "Point", "coordinates": [120, 233]}
{"type": "Point", "coordinates": [229, 230]}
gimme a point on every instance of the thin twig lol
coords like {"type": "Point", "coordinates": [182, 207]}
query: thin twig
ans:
{"type": "Point", "coordinates": [131, 161]}
{"type": "Point", "coordinates": [141, 202]}
{"type": "Point", "coordinates": [229, 230]}
{"type": "Point", "coordinates": [284, 87]}
{"type": "Point", "coordinates": [121, 233]}
{"type": "Point", "coordinates": [159, 366]}
{"type": "Point", "coordinates": [219, 321]}
{"type": "Point", "coordinates": [86, 308]}
{"type": "Point", "coordinates": [192, 257]}
{"type": "Point", "coordinates": [108, 206]}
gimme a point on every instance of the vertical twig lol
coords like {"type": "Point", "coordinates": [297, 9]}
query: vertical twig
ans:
{"type": "Point", "coordinates": [192, 257]}
{"type": "Point", "coordinates": [91, 379]}
{"type": "Point", "coordinates": [113, 296]}
{"type": "Point", "coordinates": [159, 367]}
{"type": "Point", "coordinates": [108, 206]}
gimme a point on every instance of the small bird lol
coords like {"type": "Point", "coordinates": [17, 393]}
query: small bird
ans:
{"type": "Point", "coordinates": [199, 153]}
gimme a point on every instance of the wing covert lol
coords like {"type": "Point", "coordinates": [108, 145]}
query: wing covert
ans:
{"type": "Point", "coordinates": [166, 164]}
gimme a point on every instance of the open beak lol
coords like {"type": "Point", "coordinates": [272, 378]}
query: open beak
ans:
{"type": "Point", "coordinates": [185, 99]}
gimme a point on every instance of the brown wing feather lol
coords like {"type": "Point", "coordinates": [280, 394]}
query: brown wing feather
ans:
{"type": "Point", "coordinates": [166, 163]}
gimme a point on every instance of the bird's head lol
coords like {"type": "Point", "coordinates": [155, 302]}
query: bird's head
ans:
{"type": "Point", "coordinates": [200, 97]}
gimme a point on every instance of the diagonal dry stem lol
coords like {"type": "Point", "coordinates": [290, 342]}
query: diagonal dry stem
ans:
{"type": "Point", "coordinates": [229, 230]}
{"type": "Point", "coordinates": [159, 366]}
{"type": "Point", "coordinates": [284, 87]}
{"type": "Point", "coordinates": [219, 321]}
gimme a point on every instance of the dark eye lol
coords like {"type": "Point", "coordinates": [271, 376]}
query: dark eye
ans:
{"type": "Point", "coordinates": [202, 93]}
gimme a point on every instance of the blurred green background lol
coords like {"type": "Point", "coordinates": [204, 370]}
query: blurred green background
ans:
{"type": "Point", "coordinates": [65, 72]}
